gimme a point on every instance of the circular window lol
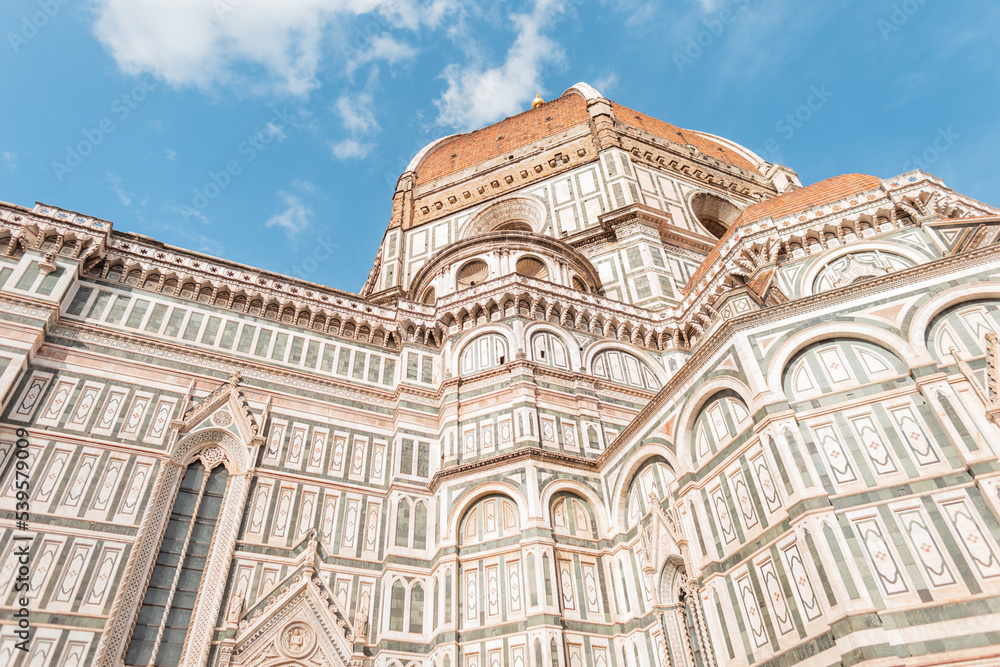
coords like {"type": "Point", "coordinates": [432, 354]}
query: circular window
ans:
{"type": "Point", "coordinates": [473, 273]}
{"type": "Point", "coordinates": [715, 214]}
{"type": "Point", "coordinates": [532, 268]}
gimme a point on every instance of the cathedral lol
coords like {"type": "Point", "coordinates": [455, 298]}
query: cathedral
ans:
{"type": "Point", "coordinates": [614, 394]}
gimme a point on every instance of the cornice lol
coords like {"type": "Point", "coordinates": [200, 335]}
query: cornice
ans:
{"type": "Point", "coordinates": [504, 178]}
{"type": "Point", "coordinates": [501, 241]}
{"type": "Point", "coordinates": [696, 166]}
{"type": "Point", "coordinates": [721, 336]}
{"type": "Point", "coordinates": [535, 454]}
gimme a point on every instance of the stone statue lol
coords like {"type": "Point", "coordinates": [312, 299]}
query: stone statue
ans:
{"type": "Point", "coordinates": [235, 609]}
{"type": "Point", "coordinates": [361, 619]}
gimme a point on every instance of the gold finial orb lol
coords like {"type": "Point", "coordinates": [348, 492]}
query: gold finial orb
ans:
{"type": "Point", "coordinates": [537, 102]}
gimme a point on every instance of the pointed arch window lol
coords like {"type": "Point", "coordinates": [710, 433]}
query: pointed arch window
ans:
{"type": "Point", "coordinates": [417, 610]}
{"type": "Point", "coordinates": [420, 526]}
{"type": "Point", "coordinates": [167, 607]}
{"type": "Point", "coordinates": [403, 524]}
{"type": "Point", "coordinates": [396, 607]}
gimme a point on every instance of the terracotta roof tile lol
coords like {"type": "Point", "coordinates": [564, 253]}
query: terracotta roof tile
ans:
{"type": "Point", "coordinates": [817, 194]}
{"type": "Point", "coordinates": [528, 127]}
{"type": "Point", "coordinates": [659, 128]}
{"type": "Point", "coordinates": [491, 142]}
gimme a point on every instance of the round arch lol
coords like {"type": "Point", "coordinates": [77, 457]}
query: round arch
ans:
{"type": "Point", "coordinates": [653, 364]}
{"type": "Point", "coordinates": [811, 273]}
{"type": "Point", "coordinates": [868, 332]}
{"type": "Point", "coordinates": [465, 501]}
{"type": "Point", "coordinates": [458, 347]}
{"type": "Point", "coordinates": [572, 345]}
{"type": "Point", "coordinates": [521, 207]}
{"type": "Point", "coordinates": [917, 330]}
{"type": "Point", "coordinates": [597, 505]}
{"type": "Point", "coordinates": [618, 501]}
{"type": "Point", "coordinates": [714, 213]}
{"type": "Point", "coordinates": [684, 440]}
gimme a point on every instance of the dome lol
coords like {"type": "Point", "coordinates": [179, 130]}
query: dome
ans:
{"type": "Point", "coordinates": [461, 151]}
{"type": "Point", "coordinates": [450, 155]}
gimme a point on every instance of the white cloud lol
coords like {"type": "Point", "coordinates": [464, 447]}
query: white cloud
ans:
{"type": "Point", "coordinates": [295, 217]}
{"type": "Point", "coordinates": [355, 110]}
{"type": "Point", "coordinates": [275, 131]}
{"type": "Point", "coordinates": [383, 47]}
{"type": "Point", "coordinates": [478, 95]}
{"type": "Point", "coordinates": [188, 213]}
{"type": "Point", "coordinates": [606, 84]}
{"type": "Point", "coordinates": [206, 42]}
{"type": "Point", "coordinates": [116, 186]}
{"type": "Point", "coordinates": [10, 159]}
{"type": "Point", "coordinates": [351, 149]}
{"type": "Point", "coordinates": [358, 118]}
{"type": "Point", "coordinates": [169, 154]}
{"type": "Point", "coordinates": [307, 187]}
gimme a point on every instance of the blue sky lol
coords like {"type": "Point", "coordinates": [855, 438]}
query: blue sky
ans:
{"type": "Point", "coordinates": [261, 130]}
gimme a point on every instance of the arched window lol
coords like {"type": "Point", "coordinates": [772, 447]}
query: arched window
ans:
{"type": "Point", "coordinates": [397, 607]}
{"type": "Point", "coordinates": [835, 365]}
{"type": "Point", "coordinates": [722, 418]}
{"type": "Point", "coordinates": [547, 574]}
{"type": "Point", "coordinates": [435, 601]}
{"type": "Point", "coordinates": [532, 580]}
{"type": "Point", "coordinates": [532, 267]}
{"type": "Point", "coordinates": [447, 597]}
{"type": "Point", "coordinates": [714, 213]}
{"type": "Point", "coordinates": [402, 524]}
{"type": "Point", "coordinates": [572, 516]}
{"type": "Point", "coordinates": [963, 327]}
{"type": "Point", "coordinates": [548, 349]}
{"type": "Point", "coordinates": [491, 518]}
{"type": "Point", "coordinates": [173, 585]}
{"type": "Point", "coordinates": [624, 368]}
{"type": "Point", "coordinates": [472, 273]}
{"type": "Point", "coordinates": [486, 351]}
{"type": "Point", "coordinates": [417, 609]}
{"type": "Point", "coordinates": [653, 479]}
{"type": "Point", "coordinates": [420, 526]}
